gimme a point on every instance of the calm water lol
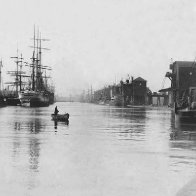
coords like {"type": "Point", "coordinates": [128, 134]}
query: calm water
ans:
{"type": "Point", "coordinates": [104, 151]}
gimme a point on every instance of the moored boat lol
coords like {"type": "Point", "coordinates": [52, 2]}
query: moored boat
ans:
{"type": "Point", "coordinates": [33, 98]}
{"type": "Point", "coordinates": [187, 111]}
{"type": "Point", "coordinates": [38, 93]}
{"type": "Point", "coordinates": [13, 101]}
{"type": "Point", "coordinates": [2, 102]}
{"type": "Point", "coordinates": [186, 116]}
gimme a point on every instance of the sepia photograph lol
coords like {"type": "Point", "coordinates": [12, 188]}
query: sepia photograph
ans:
{"type": "Point", "coordinates": [98, 98]}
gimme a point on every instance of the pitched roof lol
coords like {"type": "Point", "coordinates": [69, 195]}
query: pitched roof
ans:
{"type": "Point", "coordinates": [139, 79]}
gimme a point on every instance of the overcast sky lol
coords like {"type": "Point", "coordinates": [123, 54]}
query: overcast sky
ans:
{"type": "Point", "coordinates": [95, 42]}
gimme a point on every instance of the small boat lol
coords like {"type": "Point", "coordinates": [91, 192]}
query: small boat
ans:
{"type": "Point", "coordinates": [187, 114]}
{"type": "Point", "coordinates": [60, 117]}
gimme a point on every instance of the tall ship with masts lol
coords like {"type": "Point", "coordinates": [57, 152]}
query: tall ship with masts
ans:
{"type": "Point", "coordinates": [14, 87]}
{"type": "Point", "coordinates": [38, 93]}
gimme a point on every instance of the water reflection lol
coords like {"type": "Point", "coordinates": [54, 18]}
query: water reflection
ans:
{"type": "Point", "coordinates": [124, 144]}
{"type": "Point", "coordinates": [56, 122]}
{"type": "Point", "coordinates": [34, 146]}
{"type": "Point", "coordinates": [183, 137]}
{"type": "Point", "coordinates": [17, 126]}
{"type": "Point", "coordinates": [34, 126]}
{"type": "Point", "coordinates": [127, 123]}
{"type": "Point", "coordinates": [128, 113]}
{"type": "Point", "coordinates": [183, 131]}
{"type": "Point", "coordinates": [26, 142]}
{"type": "Point", "coordinates": [34, 152]}
{"type": "Point", "coordinates": [182, 146]}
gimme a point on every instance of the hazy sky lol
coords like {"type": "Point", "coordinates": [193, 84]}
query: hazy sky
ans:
{"type": "Point", "coordinates": [94, 42]}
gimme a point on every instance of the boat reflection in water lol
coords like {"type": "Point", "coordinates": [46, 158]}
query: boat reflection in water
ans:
{"type": "Point", "coordinates": [56, 122]}
{"type": "Point", "coordinates": [32, 141]}
{"type": "Point", "coordinates": [183, 131]}
{"type": "Point", "coordinates": [28, 146]}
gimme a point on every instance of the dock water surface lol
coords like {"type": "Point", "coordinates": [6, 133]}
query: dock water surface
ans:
{"type": "Point", "coordinates": [103, 151]}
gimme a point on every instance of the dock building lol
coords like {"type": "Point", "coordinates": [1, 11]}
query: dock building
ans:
{"type": "Point", "coordinates": [130, 92]}
{"type": "Point", "coordinates": [183, 82]}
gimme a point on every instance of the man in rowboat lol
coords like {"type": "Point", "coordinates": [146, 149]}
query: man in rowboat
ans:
{"type": "Point", "coordinates": [56, 111]}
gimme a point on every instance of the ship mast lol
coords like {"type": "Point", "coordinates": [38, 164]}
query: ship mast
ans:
{"type": "Point", "coordinates": [20, 72]}
{"type": "Point", "coordinates": [33, 62]}
{"type": "Point", "coordinates": [37, 63]}
{"type": "Point", "coordinates": [37, 67]}
{"type": "Point", "coordinates": [16, 73]}
{"type": "Point", "coordinates": [40, 67]}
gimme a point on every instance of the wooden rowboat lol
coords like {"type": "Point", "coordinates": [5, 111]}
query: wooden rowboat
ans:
{"type": "Point", "coordinates": [60, 117]}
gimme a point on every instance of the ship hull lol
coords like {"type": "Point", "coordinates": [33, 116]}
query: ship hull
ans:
{"type": "Point", "coordinates": [2, 102]}
{"type": "Point", "coordinates": [186, 116]}
{"type": "Point", "coordinates": [51, 98]}
{"type": "Point", "coordinates": [41, 101]}
{"type": "Point", "coordinates": [117, 101]}
{"type": "Point", "coordinates": [13, 101]}
{"type": "Point", "coordinates": [34, 99]}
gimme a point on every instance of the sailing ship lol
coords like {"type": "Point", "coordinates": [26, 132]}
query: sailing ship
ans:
{"type": "Point", "coordinates": [12, 95]}
{"type": "Point", "coordinates": [38, 93]}
{"type": "Point", "coordinates": [183, 86]}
